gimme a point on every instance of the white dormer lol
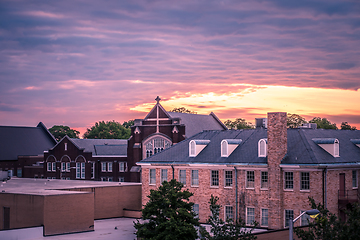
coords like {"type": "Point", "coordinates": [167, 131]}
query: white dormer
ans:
{"type": "Point", "coordinates": [228, 146]}
{"type": "Point", "coordinates": [196, 146]}
{"type": "Point", "coordinates": [262, 147]}
{"type": "Point", "coordinates": [331, 145]}
{"type": "Point", "coordinates": [356, 142]}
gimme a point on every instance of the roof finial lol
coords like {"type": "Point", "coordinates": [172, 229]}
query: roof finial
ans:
{"type": "Point", "coordinates": [157, 99]}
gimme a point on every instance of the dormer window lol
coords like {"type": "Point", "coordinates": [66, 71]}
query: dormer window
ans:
{"type": "Point", "coordinates": [331, 145]}
{"type": "Point", "coordinates": [228, 146]}
{"type": "Point", "coordinates": [262, 147]}
{"type": "Point", "coordinates": [356, 142]}
{"type": "Point", "coordinates": [196, 146]}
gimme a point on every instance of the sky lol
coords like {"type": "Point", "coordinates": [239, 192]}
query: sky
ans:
{"type": "Point", "coordinates": [77, 62]}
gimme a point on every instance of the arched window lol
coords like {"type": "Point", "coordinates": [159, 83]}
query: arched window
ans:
{"type": "Point", "coordinates": [80, 167]}
{"type": "Point", "coordinates": [224, 148]}
{"type": "Point", "coordinates": [192, 148]}
{"type": "Point", "coordinates": [262, 148]}
{"type": "Point", "coordinates": [336, 148]}
{"type": "Point", "coordinates": [155, 145]}
{"type": "Point", "coordinates": [65, 163]}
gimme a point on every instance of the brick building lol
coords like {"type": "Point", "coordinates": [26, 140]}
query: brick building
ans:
{"type": "Point", "coordinates": [22, 149]}
{"type": "Point", "coordinates": [263, 174]}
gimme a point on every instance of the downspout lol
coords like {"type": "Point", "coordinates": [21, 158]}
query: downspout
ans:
{"type": "Point", "coordinates": [173, 172]}
{"type": "Point", "coordinates": [236, 195]}
{"type": "Point", "coordinates": [325, 193]}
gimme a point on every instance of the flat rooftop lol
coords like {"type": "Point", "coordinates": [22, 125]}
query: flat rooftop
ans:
{"type": "Point", "coordinates": [37, 186]}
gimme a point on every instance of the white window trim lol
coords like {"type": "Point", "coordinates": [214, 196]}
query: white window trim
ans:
{"type": "Point", "coordinates": [161, 176]}
{"type": "Point", "coordinates": [284, 183]}
{"type": "Point", "coordinates": [53, 166]}
{"type": "Point", "coordinates": [214, 186]}
{"type": "Point", "coordinates": [285, 216]}
{"type": "Point", "coordinates": [224, 146]}
{"type": "Point", "coordinates": [261, 217]}
{"type": "Point", "coordinates": [152, 184]}
{"type": "Point", "coordinates": [225, 212]}
{"type": "Point", "coordinates": [264, 188]}
{"type": "Point", "coordinates": [246, 216]}
{"type": "Point", "coordinates": [247, 180]}
{"type": "Point", "coordinates": [191, 178]}
{"type": "Point", "coordinates": [304, 190]}
{"type": "Point", "coordinates": [103, 164]}
{"type": "Point", "coordinates": [357, 184]}
{"type": "Point", "coordinates": [185, 176]}
{"type": "Point", "coordinates": [122, 163]}
{"type": "Point", "coordinates": [108, 166]}
{"type": "Point", "coordinates": [259, 147]}
{"type": "Point", "coordinates": [232, 179]}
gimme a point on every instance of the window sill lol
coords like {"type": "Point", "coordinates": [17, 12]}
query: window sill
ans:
{"type": "Point", "coordinates": [264, 189]}
{"type": "Point", "coordinates": [288, 190]}
{"type": "Point", "coordinates": [354, 188]}
{"type": "Point", "coordinates": [305, 190]}
{"type": "Point", "coordinates": [228, 187]}
{"type": "Point", "coordinates": [214, 186]}
{"type": "Point", "coordinates": [195, 186]}
{"type": "Point", "coordinates": [250, 188]}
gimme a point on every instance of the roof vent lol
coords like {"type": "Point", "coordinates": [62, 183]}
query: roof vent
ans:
{"type": "Point", "coordinates": [309, 125]}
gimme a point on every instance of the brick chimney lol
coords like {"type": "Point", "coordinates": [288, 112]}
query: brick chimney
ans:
{"type": "Point", "coordinates": [277, 148]}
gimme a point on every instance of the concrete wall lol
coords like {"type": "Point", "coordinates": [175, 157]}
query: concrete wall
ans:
{"type": "Point", "coordinates": [25, 210]}
{"type": "Point", "coordinates": [68, 213]}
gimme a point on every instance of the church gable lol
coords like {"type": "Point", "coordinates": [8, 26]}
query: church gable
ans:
{"type": "Point", "coordinates": [157, 111]}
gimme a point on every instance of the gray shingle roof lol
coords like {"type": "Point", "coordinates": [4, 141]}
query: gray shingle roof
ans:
{"type": "Point", "coordinates": [102, 146]}
{"type": "Point", "coordinates": [24, 141]}
{"type": "Point", "coordinates": [301, 148]}
{"type": "Point", "coordinates": [195, 123]}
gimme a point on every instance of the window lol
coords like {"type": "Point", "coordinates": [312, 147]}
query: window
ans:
{"type": "Point", "coordinates": [103, 179]}
{"type": "Point", "coordinates": [78, 170]}
{"type": "Point", "coordinates": [336, 148]}
{"type": "Point", "coordinates": [264, 180]}
{"type": "Point", "coordinates": [121, 167]}
{"type": "Point", "coordinates": [250, 216]}
{"type": "Point", "coordinates": [164, 176]}
{"type": "Point", "coordinates": [49, 166]}
{"type": "Point", "coordinates": [68, 167]}
{"type": "Point", "coordinates": [224, 148]}
{"type": "Point", "coordinates": [156, 145]}
{"type": "Point", "coordinates": [65, 144]}
{"type": "Point", "coordinates": [305, 219]}
{"type": "Point", "coordinates": [182, 176]}
{"type": "Point", "coordinates": [289, 180]}
{"type": "Point", "coordinates": [19, 172]}
{"type": "Point", "coordinates": [288, 214]}
{"type": "Point", "coordinates": [103, 166]}
{"type": "Point", "coordinates": [354, 179]}
{"type": "Point", "coordinates": [194, 177]}
{"type": "Point", "coordinates": [92, 164]}
{"type": "Point", "coordinates": [152, 175]}
{"type": "Point", "coordinates": [229, 212]}
{"type": "Point", "coordinates": [228, 178]}
{"type": "Point", "coordinates": [214, 177]}
{"type": "Point", "coordinates": [110, 179]}
{"type": "Point", "coordinates": [196, 210]}
{"type": "Point", "coordinates": [53, 166]}
{"type": "Point", "coordinates": [250, 179]}
{"type": "Point", "coordinates": [121, 179]}
{"type": "Point", "coordinates": [262, 148]}
{"type": "Point", "coordinates": [82, 170]}
{"type": "Point", "coordinates": [63, 166]}
{"type": "Point", "coordinates": [305, 181]}
{"type": "Point", "coordinates": [110, 166]}
{"type": "Point", "coordinates": [264, 217]}
{"type": "Point", "coordinates": [192, 146]}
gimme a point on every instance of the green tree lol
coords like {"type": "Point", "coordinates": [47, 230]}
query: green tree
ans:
{"type": "Point", "coordinates": [168, 215]}
{"type": "Point", "coordinates": [182, 110]}
{"type": "Point", "coordinates": [128, 124]}
{"type": "Point", "coordinates": [346, 126]}
{"type": "Point", "coordinates": [328, 226]}
{"type": "Point", "coordinates": [323, 123]}
{"type": "Point", "coordinates": [59, 131]}
{"type": "Point", "coordinates": [239, 123]}
{"type": "Point", "coordinates": [224, 230]}
{"type": "Point", "coordinates": [107, 130]}
{"type": "Point", "coordinates": [295, 120]}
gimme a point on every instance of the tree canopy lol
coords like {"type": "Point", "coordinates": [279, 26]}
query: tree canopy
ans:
{"type": "Point", "coordinates": [295, 120]}
{"type": "Point", "coordinates": [323, 123]}
{"type": "Point", "coordinates": [238, 123]}
{"type": "Point", "coordinates": [107, 130]}
{"type": "Point", "coordinates": [168, 213]}
{"type": "Point", "coordinates": [128, 124]}
{"type": "Point", "coordinates": [224, 230]}
{"type": "Point", "coordinates": [59, 131]}
{"type": "Point", "coordinates": [328, 226]}
{"type": "Point", "coordinates": [182, 110]}
{"type": "Point", "coordinates": [346, 126]}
